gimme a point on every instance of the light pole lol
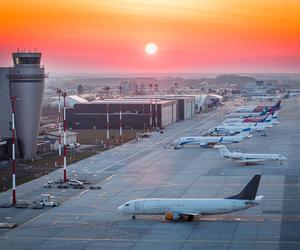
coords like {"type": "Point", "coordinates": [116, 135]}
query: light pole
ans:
{"type": "Point", "coordinates": [13, 99]}
{"type": "Point", "coordinates": [65, 138]}
{"type": "Point", "coordinates": [150, 107]}
{"type": "Point", "coordinates": [121, 132]}
{"type": "Point", "coordinates": [59, 92]}
{"type": "Point", "coordinates": [107, 122]}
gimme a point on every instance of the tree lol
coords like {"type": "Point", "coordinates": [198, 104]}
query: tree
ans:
{"type": "Point", "coordinates": [120, 88]}
{"type": "Point", "coordinates": [80, 89]}
{"type": "Point", "coordinates": [107, 90]}
{"type": "Point", "coordinates": [150, 86]}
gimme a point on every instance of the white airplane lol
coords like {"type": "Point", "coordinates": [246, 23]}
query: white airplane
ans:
{"type": "Point", "coordinates": [209, 141]}
{"type": "Point", "coordinates": [179, 208]}
{"type": "Point", "coordinates": [246, 115]}
{"type": "Point", "coordinates": [269, 119]}
{"type": "Point", "coordinates": [248, 158]}
{"type": "Point", "coordinates": [238, 128]}
{"type": "Point", "coordinates": [248, 124]}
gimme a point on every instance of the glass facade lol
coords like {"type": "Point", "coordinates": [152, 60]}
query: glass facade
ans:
{"type": "Point", "coordinates": [27, 60]}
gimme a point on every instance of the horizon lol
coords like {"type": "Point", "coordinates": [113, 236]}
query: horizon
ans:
{"type": "Point", "coordinates": [208, 37]}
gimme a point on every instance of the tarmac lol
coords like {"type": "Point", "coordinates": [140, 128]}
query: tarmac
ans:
{"type": "Point", "coordinates": [89, 219]}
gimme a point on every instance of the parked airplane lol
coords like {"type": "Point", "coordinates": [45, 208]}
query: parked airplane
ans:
{"type": "Point", "coordinates": [270, 118]}
{"type": "Point", "coordinates": [260, 108]}
{"type": "Point", "coordinates": [246, 115]}
{"type": "Point", "coordinates": [209, 141]}
{"type": "Point", "coordinates": [228, 128]}
{"type": "Point", "coordinates": [248, 158]}
{"type": "Point", "coordinates": [249, 124]}
{"type": "Point", "coordinates": [179, 208]}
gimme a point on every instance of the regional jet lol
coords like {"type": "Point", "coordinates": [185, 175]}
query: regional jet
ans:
{"type": "Point", "coordinates": [175, 209]}
{"type": "Point", "coordinates": [232, 129]}
{"type": "Point", "coordinates": [248, 158]}
{"type": "Point", "coordinates": [254, 109]}
{"type": "Point", "coordinates": [209, 141]}
{"type": "Point", "coordinates": [246, 115]}
{"type": "Point", "coordinates": [249, 124]}
{"type": "Point", "coordinates": [270, 118]}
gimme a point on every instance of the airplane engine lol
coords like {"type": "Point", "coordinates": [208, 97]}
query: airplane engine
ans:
{"type": "Point", "coordinates": [172, 216]}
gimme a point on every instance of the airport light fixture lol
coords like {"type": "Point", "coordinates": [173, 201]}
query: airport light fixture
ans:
{"type": "Point", "coordinates": [64, 95]}
{"type": "Point", "coordinates": [13, 99]}
{"type": "Point", "coordinates": [59, 92]}
{"type": "Point", "coordinates": [121, 132]}
{"type": "Point", "coordinates": [107, 122]}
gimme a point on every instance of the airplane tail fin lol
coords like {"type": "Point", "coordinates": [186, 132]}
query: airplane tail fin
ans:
{"type": "Point", "coordinates": [277, 105]}
{"type": "Point", "coordinates": [249, 191]}
{"type": "Point", "coordinates": [267, 118]}
{"type": "Point", "coordinates": [223, 150]}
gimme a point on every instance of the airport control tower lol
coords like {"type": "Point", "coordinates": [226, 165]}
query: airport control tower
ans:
{"type": "Point", "coordinates": [27, 80]}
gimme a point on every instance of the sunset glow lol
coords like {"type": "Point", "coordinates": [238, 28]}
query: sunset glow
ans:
{"type": "Point", "coordinates": [193, 36]}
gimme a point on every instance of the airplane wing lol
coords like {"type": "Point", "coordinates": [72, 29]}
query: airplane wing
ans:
{"type": "Point", "coordinates": [259, 197]}
{"type": "Point", "coordinates": [185, 212]}
{"type": "Point", "coordinates": [189, 213]}
{"type": "Point", "coordinates": [208, 144]}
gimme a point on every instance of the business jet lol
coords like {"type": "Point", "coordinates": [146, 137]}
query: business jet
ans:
{"type": "Point", "coordinates": [249, 158]}
{"type": "Point", "coordinates": [175, 209]}
{"type": "Point", "coordinates": [209, 141]}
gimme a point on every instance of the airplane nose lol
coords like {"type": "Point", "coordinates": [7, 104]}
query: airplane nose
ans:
{"type": "Point", "coordinates": [120, 208]}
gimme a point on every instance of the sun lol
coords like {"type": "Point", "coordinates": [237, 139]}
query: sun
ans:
{"type": "Point", "coordinates": [151, 48]}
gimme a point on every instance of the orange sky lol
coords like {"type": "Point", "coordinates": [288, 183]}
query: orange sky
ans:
{"type": "Point", "coordinates": [191, 35]}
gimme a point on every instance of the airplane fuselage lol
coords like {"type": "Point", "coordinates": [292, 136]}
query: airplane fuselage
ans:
{"type": "Point", "coordinates": [185, 206]}
{"type": "Point", "coordinates": [258, 157]}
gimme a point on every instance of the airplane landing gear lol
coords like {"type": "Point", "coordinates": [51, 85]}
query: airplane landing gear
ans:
{"type": "Point", "coordinates": [190, 217]}
{"type": "Point", "coordinates": [133, 217]}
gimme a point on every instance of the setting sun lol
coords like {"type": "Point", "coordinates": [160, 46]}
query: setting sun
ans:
{"type": "Point", "coordinates": [150, 48]}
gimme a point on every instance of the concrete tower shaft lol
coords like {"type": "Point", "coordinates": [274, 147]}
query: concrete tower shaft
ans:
{"type": "Point", "coordinates": [27, 80]}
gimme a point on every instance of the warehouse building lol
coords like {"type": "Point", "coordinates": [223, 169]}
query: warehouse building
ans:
{"type": "Point", "coordinates": [185, 103]}
{"type": "Point", "coordinates": [128, 113]}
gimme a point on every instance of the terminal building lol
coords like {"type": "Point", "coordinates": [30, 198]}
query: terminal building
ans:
{"type": "Point", "coordinates": [25, 80]}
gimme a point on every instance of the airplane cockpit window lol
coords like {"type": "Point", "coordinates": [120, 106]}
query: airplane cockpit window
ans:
{"type": "Point", "coordinates": [126, 205]}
